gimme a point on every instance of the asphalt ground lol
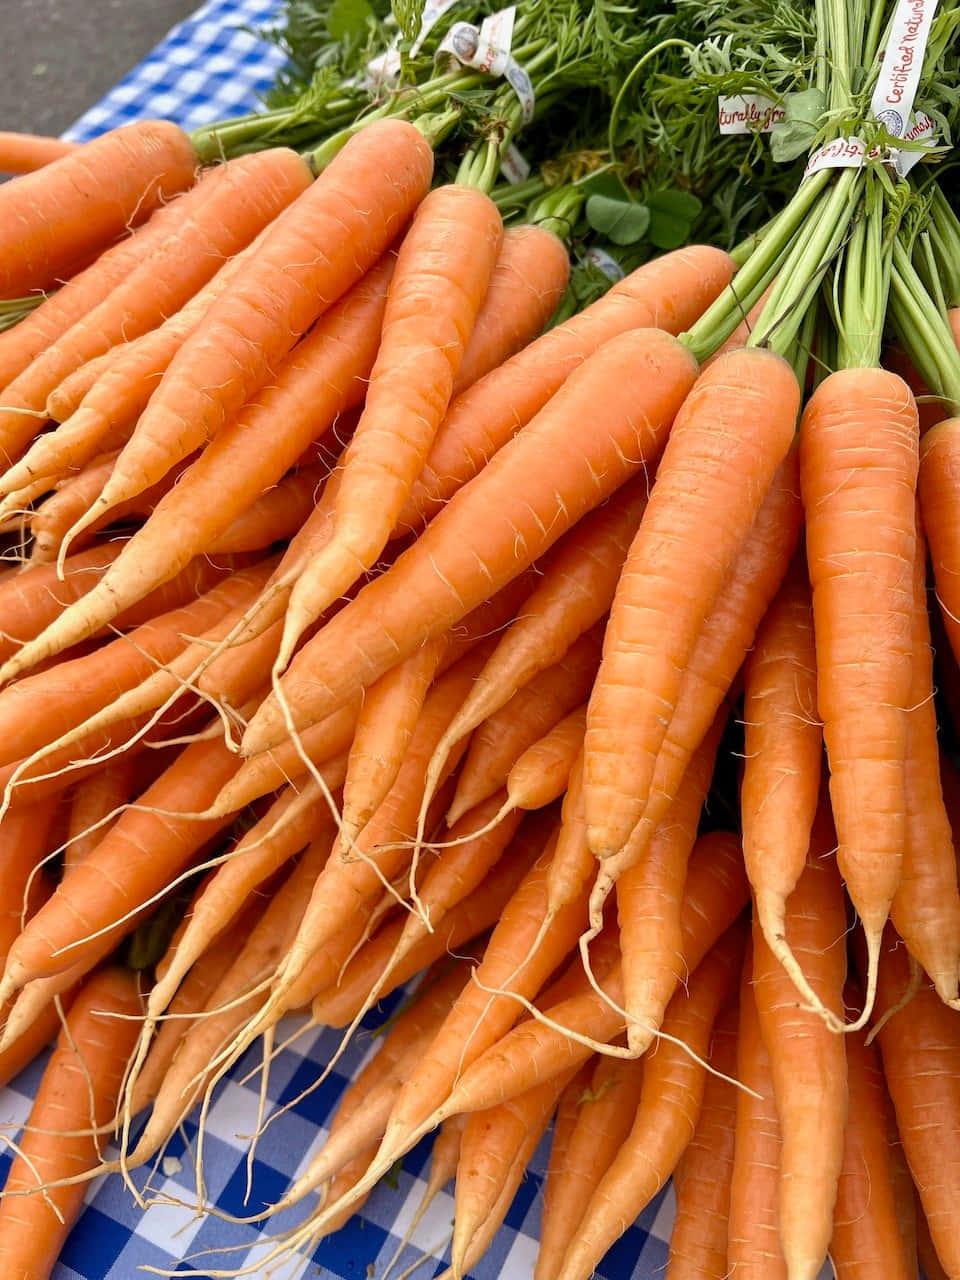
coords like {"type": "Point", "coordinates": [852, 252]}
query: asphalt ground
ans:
{"type": "Point", "coordinates": [59, 57]}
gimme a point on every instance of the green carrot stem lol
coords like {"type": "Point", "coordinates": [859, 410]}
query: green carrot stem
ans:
{"type": "Point", "coordinates": [802, 269]}
{"type": "Point", "coordinates": [718, 322]}
{"type": "Point", "coordinates": [923, 331]}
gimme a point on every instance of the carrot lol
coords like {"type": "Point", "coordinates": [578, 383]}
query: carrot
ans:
{"type": "Point", "coordinates": [377, 965]}
{"type": "Point", "coordinates": [535, 708]}
{"type": "Point", "coordinates": [553, 1226]}
{"type": "Point", "coordinates": [479, 1018]}
{"type": "Point", "coordinates": [276, 514]}
{"type": "Point", "coordinates": [926, 906]}
{"type": "Point", "coordinates": [366, 1104]}
{"type": "Point", "coordinates": [443, 271]}
{"type": "Point", "coordinates": [52, 520]}
{"type": "Point", "coordinates": [526, 285]}
{"type": "Point", "coordinates": [67, 396]}
{"type": "Point", "coordinates": [605, 1112]}
{"type": "Point", "coordinates": [748, 400]}
{"type": "Point", "coordinates": [385, 168]}
{"type": "Point", "coordinates": [146, 847]}
{"type": "Point", "coordinates": [291, 822]}
{"type": "Point", "coordinates": [219, 217]}
{"type": "Point", "coordinates": [939, 460]}
{"type": "Point", "coordinates": [452, 878]}
{"type": "Point", "coordinates": [715, 896]}
{"type": "Point", "coordinates": [929, 1261]}
{"type": "Point", "coordinates": [543, 771]}
{"type": "Point", "coordinates": [724, 642]}
{"type": "Point", "coordinates": [666, 1116]}
{"type": "Point", "coordinates": [79, 1090]}
{"type": "Point", "coordinates": [866, 1239]}
{"type": "Point", "coordinates": [44, 1028]}
{"type": "Point", "coordinates": [782, 757]}
{"type": "Point", "coordinates": [354, 877]}
{"type": "Point", "coordinates": [93, 800]}
{"type": "Point", "coordinates": [807, 1059]}
{"type": "Point", "coordinates": [23, 845]}
{"type": "Point", "coordinates": [852, 464]}
{"type": "Point", "coordinates": [754, 1251]}
{"type": "Point", "coordinates": [385, 725]}
{"type": "Point", "coordinates": [190, 1000]}
{"type": "Point", "coordinates": [81, 293]}
{"type": "Point", "coordinates": [321, 377]}
{"type": "Point", "coordinates": [493, 1144]}
{"type": "Point", "coordinates": [580, 577]}
{"type": "Point", "coordinates": [78, 204]}
{"type": "Point", "coordinates": [24, 152]}
{"type": "Point", "coordinates": [667, 293]}
{"type": "Point", "coordinates": [43, 707]}
{"type": "Point", "coordinates": [651, 895]}
{"type": "Point", "coordinates": [464, 556]}
{"type": "Point", "coordinates": [701, 1181]}
{"type": "Point", "coordinates": [226, 1008]}
{"type": "Point", "coordinates": [112, 404]}
{"type": "Point", "coordinates": [920, 1047]}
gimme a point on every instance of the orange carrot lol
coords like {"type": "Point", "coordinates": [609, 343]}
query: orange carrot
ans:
{"type": "Point", "coordinates": [494, 1144]}
{"type": "Point", "coordinates": [556, 470]}
{"type": "Point", "coordinates": [579, 579]}
{"type": "Point", "coordinates": [385, 724]}
{"type": "Point", "coordinates": [920, 1046]}
{"type": "Point", "coordinates": [324, 375]}
{"type": "Point", "coordinates": [67, 396]}
{"type": "Point", "coordinates": [701, 1181]}
{"type": "Point", "coordinates": [292, 821]}
{"type": "Point", "coordinates": [754, 1251]}
{"type": "Point", "coordinates": [666, 1117]}
{"type": "Point", "coordinates": [716, 893]}
{"type": "Point", "coordinates": [866, 1239]}
{"type": "Point", "coordinates": [748, 400]}
{"type": "Point", "coordinates": [852, 464]}
{"type": "Point", "coordinates": [218, 218]}
{"type": "Point", "coordinates": [553, 1227]}
{"type": "Point", "coordinates": [93, 800]}
{"type": "Point", "coordinates": [276, 514]}
{"type": "Point", "coordinates": [110, 407]}
{"type": "Point", "coordinates": [526, 285]}
{"type": "Point", "coordinates": [78, 204]}
{"type": "Point", "coordinates": [386, 169]}
{"type": "Point", "coordinates": [535, 708]}
{"type": "Point", "coordinates": [605, 1114]}
{"type": "Point", "coordinates": [80, 294]}
{"type": "Point", "coordinates": [939, 462]}
{"type": "Point", "coordinates": [542, 772]}
{"type": "Point", "coordinates": [226, 1009]}
{"type": "Point", "coordinates": [79, 1090]}
{"type": "Point", "coordinates": [338, 1005]}
{"type": "Point", "coordinates": [650, 898]}
{"type": "Point", "coordinates": [782, 756]}
{"type": "Point", "coordinates": [43, 707]}
{"type": "Point", "coordinates": [443, 271]}
{"type": "Point", "coordinates": [807, 1058]}
{"type": "Point", "coordinates": [667, 293]}
{"type": "Point", "coordinates": [142, 852]}
{"type": "Point", "coordinates": [24, 152]}
{"type": "Point", "coordinates": [926, 906]}
{"type": "Point", "coordinates": [725, 640]}
{"type": "Point", "coordinates": [191, 998]}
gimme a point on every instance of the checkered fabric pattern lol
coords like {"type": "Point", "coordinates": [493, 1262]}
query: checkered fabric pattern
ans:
{"type": "Point", "coordinates": [211, 67]}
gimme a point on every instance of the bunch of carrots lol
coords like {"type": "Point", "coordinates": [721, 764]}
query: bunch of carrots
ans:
{"type": "Point", "coordinates": [375, 632]}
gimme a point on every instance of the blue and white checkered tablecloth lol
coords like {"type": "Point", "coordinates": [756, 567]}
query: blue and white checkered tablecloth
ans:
{"type": "Point", "coordinates": [212, 67]}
